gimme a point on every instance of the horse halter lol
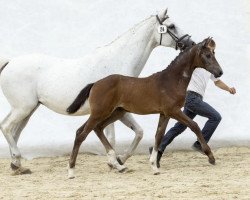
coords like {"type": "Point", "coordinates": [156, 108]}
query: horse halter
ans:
{"type": "Point", "coordinates": [178, 41]}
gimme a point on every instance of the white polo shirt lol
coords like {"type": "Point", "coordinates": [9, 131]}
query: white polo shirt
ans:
{"type": "Point", "coordinates": [199, 80]}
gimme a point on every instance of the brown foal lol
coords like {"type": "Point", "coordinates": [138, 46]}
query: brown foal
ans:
{"type": "Point", "coordinates": [163, 92]}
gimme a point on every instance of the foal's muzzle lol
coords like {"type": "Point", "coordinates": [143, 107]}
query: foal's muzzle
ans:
{"type": "Point", "coordinates": [216, 71]}
{"type": "Point", "coordinates": [219, 74]}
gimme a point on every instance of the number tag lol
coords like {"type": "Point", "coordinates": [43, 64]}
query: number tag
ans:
{"type": "Point", "coordinates": [162, 29]}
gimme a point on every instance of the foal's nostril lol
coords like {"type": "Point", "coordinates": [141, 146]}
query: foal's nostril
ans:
{"type": "Point", "coordinates": [221, 72]}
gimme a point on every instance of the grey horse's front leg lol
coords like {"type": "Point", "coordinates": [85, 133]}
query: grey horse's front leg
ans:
{"type": "Point", "coordinates": [130, 122]}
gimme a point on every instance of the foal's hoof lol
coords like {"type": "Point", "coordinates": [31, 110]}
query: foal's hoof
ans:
{"type": "Point", "coordinates": [156, 170]}
{"type": "Point", "coordinates": [156, 173]}
{"type": "Point", "coordinates": [120, 168]}
{"type": "Point", "coordinates": [211, 161]}
{"type": "Point", "coordinates": [71, 173]}
{"type": "Point", "coordinates": [20, 171]}
{"type": "Point", "coordinates": [71, 177]}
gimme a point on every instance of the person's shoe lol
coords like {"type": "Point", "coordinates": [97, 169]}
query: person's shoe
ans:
{"type": "Point", "coordinates": [197, 147]}
{"type": "Point", "coordinates": [159, 155]}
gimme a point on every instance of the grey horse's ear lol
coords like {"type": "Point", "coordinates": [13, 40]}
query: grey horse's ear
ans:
{"type": "Point", "coordinates": [163, 15]}
{"type": "Point", "coordinates": [165, 12]}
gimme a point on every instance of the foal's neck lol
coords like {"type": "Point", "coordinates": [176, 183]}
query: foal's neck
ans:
{"type": "Point", "coordinates": [181, 69]}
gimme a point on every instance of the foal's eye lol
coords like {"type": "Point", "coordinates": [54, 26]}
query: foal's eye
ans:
{"type": "Point", "coordinates": [171, 26]}
{"type": "Point", "coordinates": [208, 56]}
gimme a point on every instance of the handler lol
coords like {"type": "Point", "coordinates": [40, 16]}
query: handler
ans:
{"type": "Point", "coordinates": [194, 105]}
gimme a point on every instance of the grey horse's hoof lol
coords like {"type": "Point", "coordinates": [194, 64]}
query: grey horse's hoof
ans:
{"type": "Point", "coordinates": [123, 170]}
{"type": "Point", "coordinates": [19, 170]}
{"type": "Point", "coordinates": [119, 161]}
{"type": "Point", "coordinates": [110, 166]}
{"type": "Point", "coordinates": [13, 167]}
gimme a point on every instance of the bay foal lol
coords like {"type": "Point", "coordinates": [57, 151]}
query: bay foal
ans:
{"type": "Point", "coordinates": [163, 92]}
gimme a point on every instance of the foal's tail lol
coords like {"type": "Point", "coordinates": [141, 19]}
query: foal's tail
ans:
{"type": "Point", "coordinates": [3, 63]}
{"type": "Point", "coordinates": [80, 99]}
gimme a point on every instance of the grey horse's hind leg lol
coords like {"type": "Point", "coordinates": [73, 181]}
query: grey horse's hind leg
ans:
{"type": "Point", "coordinates": [11, 127]}
{"type": "Point", "coordinates": [21, 125]}
{"type": "Point", "coordinates": [110, 134]}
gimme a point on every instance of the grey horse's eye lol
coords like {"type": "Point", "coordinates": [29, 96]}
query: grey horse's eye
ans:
{"type": "Point", "coordinates": [171, 26]}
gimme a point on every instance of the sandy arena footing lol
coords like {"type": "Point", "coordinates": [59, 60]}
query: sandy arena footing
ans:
{"type": "Point", "coordinates": [184, 175]}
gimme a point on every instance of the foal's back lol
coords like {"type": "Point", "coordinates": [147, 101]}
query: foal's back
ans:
{"type": "Point", "coordinates": [137, 95]}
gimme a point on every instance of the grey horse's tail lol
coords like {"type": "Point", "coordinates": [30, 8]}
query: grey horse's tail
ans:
{"type": "Point", "coordinates": [3, 63]}
{"type": "Point", "coordinates": [80, 99]}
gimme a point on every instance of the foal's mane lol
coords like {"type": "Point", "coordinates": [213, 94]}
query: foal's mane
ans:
{"type": "Point", "coordinates": [179, 56]}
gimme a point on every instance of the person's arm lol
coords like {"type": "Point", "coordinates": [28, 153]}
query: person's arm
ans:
{"type": "Point", "coordinates": [219, 83]}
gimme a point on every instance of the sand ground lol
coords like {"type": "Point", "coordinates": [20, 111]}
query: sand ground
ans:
{"type": "Point", "coordinates": [185, 175]}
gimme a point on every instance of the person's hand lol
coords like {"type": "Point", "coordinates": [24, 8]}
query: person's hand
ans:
{"type": "Point", "coordinates": [232, 90]}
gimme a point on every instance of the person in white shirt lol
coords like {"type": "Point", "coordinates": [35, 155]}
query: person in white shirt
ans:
{"type": "Point", "coordinates": [194, 105]}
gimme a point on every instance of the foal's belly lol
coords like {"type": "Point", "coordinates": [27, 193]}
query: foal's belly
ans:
{"type": "Point", "coordinates": [142, 110]}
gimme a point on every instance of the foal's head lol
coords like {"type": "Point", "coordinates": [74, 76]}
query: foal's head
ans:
{"type": "Point", "coordinates": [205, 57]}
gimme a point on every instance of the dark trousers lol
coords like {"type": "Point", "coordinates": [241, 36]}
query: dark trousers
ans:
{"type": "Point", "coordinates": [194, 105]}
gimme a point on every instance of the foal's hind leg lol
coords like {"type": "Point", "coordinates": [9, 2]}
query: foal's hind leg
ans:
{"type": "Point", "coordinates": [130, 122]}
{"type": "Point", "coordinates": [81, 135]}
{"type": "Point", "coordinates": [112, 161]}
{"type": "Point", "coordinates": [181, 117]}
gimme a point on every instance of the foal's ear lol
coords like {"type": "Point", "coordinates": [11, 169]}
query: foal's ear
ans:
{"type": "Point", "coordinates": [163, 15]}
{"type": "Point", "coordinates": [206, 42]}
{"type": "Point", "coordinates": [209, 43]}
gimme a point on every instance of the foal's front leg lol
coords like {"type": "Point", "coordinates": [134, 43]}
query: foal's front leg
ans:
{"type": "Point", "coordinates": [181, 117]}
{"type": "Point", "coordinates": [163, 121]}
